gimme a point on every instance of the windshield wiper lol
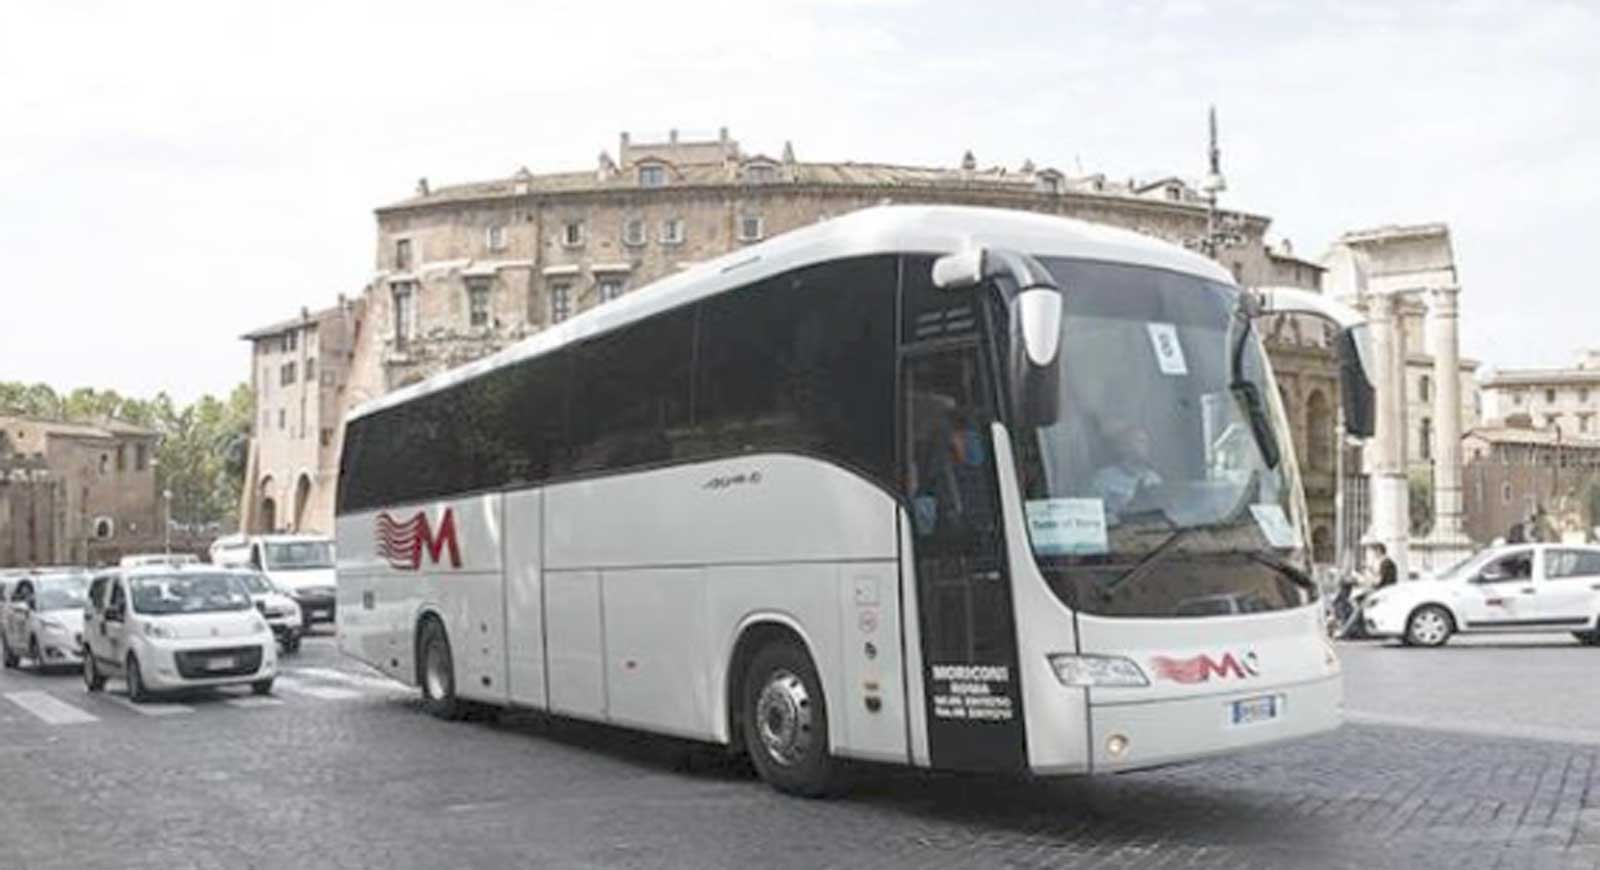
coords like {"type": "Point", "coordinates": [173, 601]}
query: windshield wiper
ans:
{"type": "Point", "coordinates": [1295, 573]}
{"type": "Point", "coordinates": [1147, 562]}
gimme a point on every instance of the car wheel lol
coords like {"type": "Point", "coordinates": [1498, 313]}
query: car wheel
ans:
{"type": "Point", "coordinates": [1429, 625]}
{"type": "Point", "coordinates": [785, 722]}
{"type": "Point", "coordinates": [137, 693]}
{"type": "Point", "coordinates": [92, 678]}
{"type": "Point", "coordinates": [262, 687]}
{"type": "Point", "coordinates": [9, 657]}
{"type": "Point", "coordinates": [437, 673]}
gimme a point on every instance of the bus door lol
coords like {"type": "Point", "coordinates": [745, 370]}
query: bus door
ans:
{"type": "Point", "coordinates": [969, 646]}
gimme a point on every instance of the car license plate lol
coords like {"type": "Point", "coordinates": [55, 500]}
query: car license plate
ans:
{"type": "Point", "coordinates": [222, 663]}
{"type": "Point", "coordinates": [1252, 710]}
{"type": "Point", "coordinates": [319, 614]}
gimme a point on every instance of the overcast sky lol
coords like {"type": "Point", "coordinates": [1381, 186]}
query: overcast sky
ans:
{"type": "Point", "coordinates": [172, 175]}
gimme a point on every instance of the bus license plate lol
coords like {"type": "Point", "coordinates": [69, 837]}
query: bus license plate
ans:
{"type": "Point", "coordinates": [1252, 710]}
{"type": "Point", "coordinates": [221, 664]}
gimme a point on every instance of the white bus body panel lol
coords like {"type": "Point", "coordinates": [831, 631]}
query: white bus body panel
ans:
{"type": "Point", "coordinates": [607, 607]}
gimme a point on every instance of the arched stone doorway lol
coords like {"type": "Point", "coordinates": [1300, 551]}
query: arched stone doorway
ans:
{"type": "Point", "coordinates": [1322, 545]}
{"type": "Point", "coordinates": [302, 497]}
{"type": "Point", "coordinates": [267, 516]}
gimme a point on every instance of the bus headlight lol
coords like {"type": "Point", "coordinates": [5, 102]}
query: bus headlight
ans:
{"type": "Point", "coordinates": [1078, 671]}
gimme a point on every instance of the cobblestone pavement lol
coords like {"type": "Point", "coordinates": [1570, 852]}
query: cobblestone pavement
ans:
{"type": "Point", "coordinates": [344, 770]}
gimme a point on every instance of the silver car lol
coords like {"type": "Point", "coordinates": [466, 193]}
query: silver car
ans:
{"type": "Point", "coordinates": [42, 619]}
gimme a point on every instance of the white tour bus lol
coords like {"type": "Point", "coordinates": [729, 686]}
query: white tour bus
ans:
{"type": "Point", "coordinates": [958, 488]}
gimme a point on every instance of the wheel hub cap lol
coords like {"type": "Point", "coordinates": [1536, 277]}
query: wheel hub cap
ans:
{"type": "Point", "coordinates": [1428, 627]}
{"type": "Point", "coordinates": [783, 718]}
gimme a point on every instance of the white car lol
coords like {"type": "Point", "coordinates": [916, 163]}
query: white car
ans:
{"type": "Point", "coordinates": [42, 619]}
{"type": "Point", "coordinates": [280, 611]}
{"type": "Point", "coordinates": [300, 565]}
{"type": "Point", "coordinates": [135, 560]}
{"type": "Point", "coordinates": [175, 627]}
{"type": "Point", "coordinates": [1514, 588]}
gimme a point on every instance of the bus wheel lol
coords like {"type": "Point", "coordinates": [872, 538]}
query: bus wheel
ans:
{"type": "Point", "coordinates": [785, 721]}
{"type": "Point", "coordinates": [437, 673]}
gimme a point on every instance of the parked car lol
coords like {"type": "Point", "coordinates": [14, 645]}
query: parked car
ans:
{"type": "Point", "coordinates": [42, 619]}
{"type": "Point", "coordinates": [300, 565]}
{"type": "Point", "coordinates": [173, 627]}
{"type": "Point", "coordinates": [134, 560]}
{"type": "Point", "coordinates": [280, 611]}
{"type": "Point", "coordinates": [1514, 588]}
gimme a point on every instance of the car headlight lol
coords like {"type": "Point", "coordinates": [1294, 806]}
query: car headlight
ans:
{"type": "Point", "coordinates": [1091, 670]}
{"type": "Point", "coordinates": [155, 629]}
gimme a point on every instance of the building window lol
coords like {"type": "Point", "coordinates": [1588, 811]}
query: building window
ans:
{"type": "Point", "coordinates": [402, 255]}
{"type": "Point", "coordinates": [477, 303]}
{"type": "Point", "coordinates": [672, 231]}
{"type": "Point", "coordinates": [572, 234]}
{"type": "Point", "coordinates": [560, 302]}
{"type": "Point", "coordinates": [751, 228]}
{"type": "Point", "coordinates": [1583, 422]}
{"type": "Point", "coordinates": [311, 369]}
{"type": "Point", "coordinates": [1425, 439]}
{"type": "Point", "coordinates": [633, 232]}
{"type": "Point", "coordinates": [293, 339]}
{"type": "Point", "coordinates": [1583, 394]}
{"type": "Point", "coordinates": [1424, 388]}
{"type": "Point", "coordinates": [496, 238]}
{"type": "Point", "coordinates": [1174, 192]}
{"type": "Point", "coordinates": [1550, 396]}
{"type": "Point", "coordinates": [1516, 397]}
{"type": "Point", "coordinates": [141, 457]}
{"type": "Point", "coordinates": [326, 437]}
{"type": "Point", "coordinates": [760, 173]}
{"type": "Point", "coordinates": [286, 374]}
{"type": "Point", "coordinates": [610, 288]}
{"type": "Point", "coordinates": [283, 419]}
{"type": "Point", "coordinates": [405, 314]}
{"type": "Point", "coordinates": [652, 176]}
{"type": "Point", "coordinates": [122, 458]}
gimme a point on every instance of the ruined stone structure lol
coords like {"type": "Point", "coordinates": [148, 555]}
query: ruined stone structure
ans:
{"type": "Point", "coordinates": [298, 374]}
{"type": "Point", "coordinates": [77, 493]}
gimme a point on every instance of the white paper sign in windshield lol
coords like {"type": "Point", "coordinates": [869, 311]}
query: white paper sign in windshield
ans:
{"type": "Point", "coordinates": [1067, 526]}
{"type": "Point", "coordinates": [1274, 524]}
{"type": "Point", "coordinates": [1169, 353]}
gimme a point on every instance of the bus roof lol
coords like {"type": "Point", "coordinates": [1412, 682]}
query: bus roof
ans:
{"type": "Point", "coordinates": [877, 230]}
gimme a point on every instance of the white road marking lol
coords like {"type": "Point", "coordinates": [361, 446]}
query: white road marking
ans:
{"type": "Point", "coordinates": [49, 708]}
{"type": "Point", "coordinates": [380, 683]}
{"type": "Point", "coordinates": [251, 701]}
{"type": "Point", "coordinates": [149, 708]}
{"type": "Point", "coordinates": [326, 693]}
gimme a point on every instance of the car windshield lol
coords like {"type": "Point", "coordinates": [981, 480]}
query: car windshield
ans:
{"type": "Point", "coordinates": [62, 593]}
{"type": "Point", "coordinates": [1153, 454]}
{"type": "Point", "coordinates": [189, 593]}
{"type": "Point", "coordinates": [299, 555]}
{"type": "Point", "coordinates": [258, 584]}
{"type": "Point", "coordinates": [1464, 568]}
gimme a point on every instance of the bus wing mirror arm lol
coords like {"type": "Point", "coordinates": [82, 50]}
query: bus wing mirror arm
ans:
{"type": "Point", "coordinates": [1353, 345]}
{"type": "Point", "coordinates": [1033, 308]}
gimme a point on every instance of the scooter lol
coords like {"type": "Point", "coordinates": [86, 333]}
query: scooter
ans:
{"type": "Point", "coordinates": [1344, 613]}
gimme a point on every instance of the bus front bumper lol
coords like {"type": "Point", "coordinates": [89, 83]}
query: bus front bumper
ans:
{"type": "Point", "coordinates": [1132, 735]}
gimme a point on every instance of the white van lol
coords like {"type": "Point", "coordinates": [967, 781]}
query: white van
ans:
{"type": "Point", "coordinates": [300, 565]}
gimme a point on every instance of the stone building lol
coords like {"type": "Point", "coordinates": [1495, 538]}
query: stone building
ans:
{"type": "Point", "coordinates": [1565, 399]}
{"type": "Point", "coordinates": [91, 495]}
{"type": "Point", "coordinates": [298, 374]}
{"type": "Point", "coordinates": [465, 269]}
{"type": "Point", "coordinates": [1515, 475]}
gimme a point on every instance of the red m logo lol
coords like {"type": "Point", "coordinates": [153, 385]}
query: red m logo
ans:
{"type": "Point", "coordinates": [402, 544]}
{"type": "Point", "coordinates": [1202, 668]}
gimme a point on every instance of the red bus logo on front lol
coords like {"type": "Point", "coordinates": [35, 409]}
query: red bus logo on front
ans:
{"type": "Point", "coordinates": [403, 544]}
{"type": "Point", "coordinates": [1201, 668]}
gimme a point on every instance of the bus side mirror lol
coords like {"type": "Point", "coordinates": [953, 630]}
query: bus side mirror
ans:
{"type": "Point", "coordinates": [1355, 383]}
{"type": "Point", "coordinates": [1033, 311]}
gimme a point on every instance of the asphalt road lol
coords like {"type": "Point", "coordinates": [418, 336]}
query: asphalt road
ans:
{"type": "Point", "coordinates": [341, 769]}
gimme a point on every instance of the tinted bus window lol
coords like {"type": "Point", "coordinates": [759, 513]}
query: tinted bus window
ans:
{"type": "Point", "coordinates": [630, 403]}
{"type": "Point", "coordinates": [804, 362]}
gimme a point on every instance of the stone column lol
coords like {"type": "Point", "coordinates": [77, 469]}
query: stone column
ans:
{"type": "Point", "coordinates": [1391, 521]}
{"type": "Point", "coordinates": [1446, 413]}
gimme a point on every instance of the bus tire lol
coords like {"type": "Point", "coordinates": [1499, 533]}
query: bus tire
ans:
{"type": "Point", "coordinates": [436, 672]}
{"type": "Point", "coordinates": [784, 719]}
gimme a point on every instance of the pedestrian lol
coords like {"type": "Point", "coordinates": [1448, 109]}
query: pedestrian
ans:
{"type": "Point", "coordinates": [1388, 573]}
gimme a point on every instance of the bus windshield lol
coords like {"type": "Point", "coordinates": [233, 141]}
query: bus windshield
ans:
{"type": "Point", "coordinates": [1150, 495]}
